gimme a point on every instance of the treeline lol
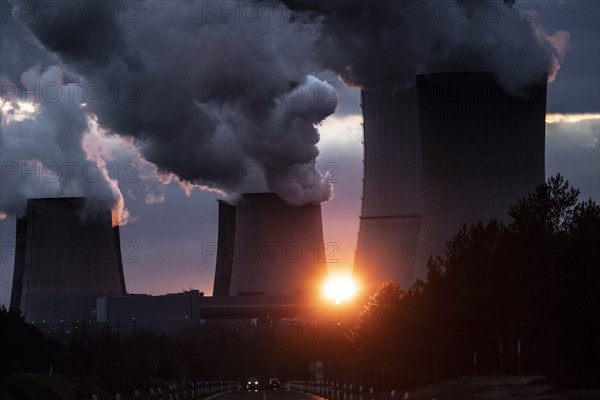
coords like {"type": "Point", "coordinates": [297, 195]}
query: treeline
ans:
{"type": "Point", "coordinates": [516, 298]}
{"type": "Point", "coordinates": [23, 348]}
{"type": "Point", "coordinates": [130, 359]}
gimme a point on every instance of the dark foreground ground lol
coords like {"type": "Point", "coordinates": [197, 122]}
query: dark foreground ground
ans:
{"type": "Point", "coordinates": [497, 388]}
{"type": "Point", "coordinates": [43, 387]}
{"type": "Point", "coordinates": [31, 386]}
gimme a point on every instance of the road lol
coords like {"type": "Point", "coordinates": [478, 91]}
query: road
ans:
{"type": "Point", "coordinates": [265, 395]}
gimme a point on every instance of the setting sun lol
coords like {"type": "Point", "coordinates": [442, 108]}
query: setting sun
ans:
{"type": "Point", "coordinates": [340, 288]}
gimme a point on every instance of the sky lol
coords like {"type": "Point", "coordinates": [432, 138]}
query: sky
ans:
{"type": "Point", "coordinates": [165, 185]}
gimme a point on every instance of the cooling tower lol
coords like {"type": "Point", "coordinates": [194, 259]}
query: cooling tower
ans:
{"type": "Point", "coordinates": [391, 204]}
{"type": "Point", "coordinates": [455, 150]}
{"type": "Point", "coordinates": [65, 259]}
{"type": "Point", "coordinates": [482, 149]}
{"type": "Point", "coordinates": [278, 248]}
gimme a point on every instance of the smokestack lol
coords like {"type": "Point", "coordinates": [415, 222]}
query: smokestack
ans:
{"type": "Point", "coordinates": [391, 206]}
{"type": "Point", "coordinates": [278, 248]}
{"type": "Point", "coordinates": [65, 259]}
{"type": "Point", "coordinates": [225, 249]}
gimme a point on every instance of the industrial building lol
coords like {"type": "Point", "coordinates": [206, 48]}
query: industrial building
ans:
{"type": "Point", "coordinates": [169, 312]}
{"type": "Point", "coordinates": [66, 257]}
{"type": "Point", "coordinates": [268, 247]}
{"type": "Point", "coordinates": [454, 149]}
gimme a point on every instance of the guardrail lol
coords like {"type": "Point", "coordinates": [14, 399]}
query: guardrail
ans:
{"type": "Point", "coordinates": [335, 391]}
{"type": "Point", "coordinates": [183, 390]}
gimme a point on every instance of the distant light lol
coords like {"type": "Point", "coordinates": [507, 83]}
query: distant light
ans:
{"type": "Point", "coordinates": [340, 289]}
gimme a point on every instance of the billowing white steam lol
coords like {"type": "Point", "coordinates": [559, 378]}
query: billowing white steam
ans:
{"type": "Point", "coordinates": [41, 148]}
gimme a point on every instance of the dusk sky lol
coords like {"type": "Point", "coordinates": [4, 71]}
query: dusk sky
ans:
{"type": "Point", "coordinates": [169, 120]}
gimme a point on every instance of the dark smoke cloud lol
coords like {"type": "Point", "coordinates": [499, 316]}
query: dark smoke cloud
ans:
{"type": "Point", "coordinates": [210, 90]}
{"type": "Point", "coordinates": [374, 43]}
{"type": "Point", "coordinates": [204, 91]}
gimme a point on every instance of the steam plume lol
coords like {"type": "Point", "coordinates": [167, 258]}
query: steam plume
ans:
{"type": "Point", "coordinates": [203, 94]}
{"type": "Point", "coordinates": [374, 43]}
{"type": "Point", "coordinates": [209, 90]}
{"type": "Point", "coordinates": [41, 149]}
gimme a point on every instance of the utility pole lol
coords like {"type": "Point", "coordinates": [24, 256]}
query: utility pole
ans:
{"type": "Point", "coordinates": [519, 357]}
{"type": "Point", "coordinates": [500, 351]}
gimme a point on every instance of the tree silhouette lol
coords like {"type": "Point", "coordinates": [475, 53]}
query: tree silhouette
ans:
{"type": "Point", "coordinates": [535, 280]}
{"type": "Point", "coordinates": [548, 210]}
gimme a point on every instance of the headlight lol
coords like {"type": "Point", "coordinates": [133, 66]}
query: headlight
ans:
{"type": "Point", "coordinates": [256, 383]}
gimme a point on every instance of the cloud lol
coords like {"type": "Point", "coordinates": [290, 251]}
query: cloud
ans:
{"type": "Point", "coordinates": [573, 149]}
{"type": "Point", "coordinates": [571, 118]}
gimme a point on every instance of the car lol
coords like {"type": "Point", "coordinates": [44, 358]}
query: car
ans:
{"type": "Point", "coordinates": [274, 384]}
{"type": "Point", "coordinates": [252, 384]}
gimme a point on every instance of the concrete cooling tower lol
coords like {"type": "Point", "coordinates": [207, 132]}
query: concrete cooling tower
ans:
{"type": "Point", "coordinates": [482, 148]}
{"type": "Point", "coordinates": [65, 259]}
{"type": "Point", "coordinates": [455, 149]}
{"type": "Point", "coordinates": [391, 205]}
{"type": "Point", "coordinates": [278, 249]}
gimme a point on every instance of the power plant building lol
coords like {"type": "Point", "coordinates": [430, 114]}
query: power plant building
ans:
{"type": "Point", "coordinates": [170, 312]}
{"type": "Point", "coordinates": [445, 150]}
{"type": "Point", "coordinates": [277, 249]}
{"type": "Point", "coordinates": [66, 258]}
{"type": "Point", "coordinates": [470, 150]}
